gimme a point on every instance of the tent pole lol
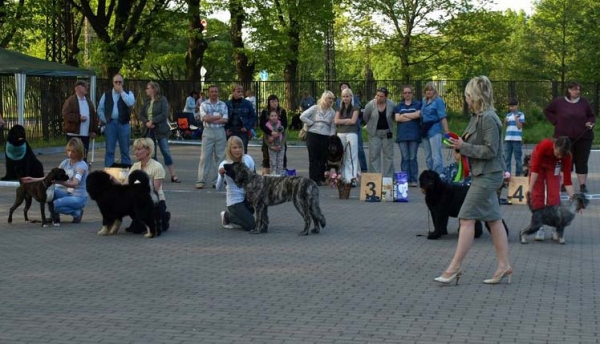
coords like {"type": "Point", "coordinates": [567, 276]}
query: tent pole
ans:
{"type": "Point", "coordinates": [20, 83]}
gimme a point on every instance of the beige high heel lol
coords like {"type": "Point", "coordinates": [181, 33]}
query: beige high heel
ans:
{"type": "Point", "coordinates": [496, 279]}
{"type": "Point", "coordinates": [455, 276]}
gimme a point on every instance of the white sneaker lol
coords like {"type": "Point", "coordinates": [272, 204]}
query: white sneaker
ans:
{"type": "Point", "coordinates": [223, 223]}
{"type": "Point", "coordinates": [540, 235]}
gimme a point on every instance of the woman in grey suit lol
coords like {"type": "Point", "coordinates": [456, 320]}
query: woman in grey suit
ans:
{"type": "Point", "coordinates": [155, 116]}
{"type": "Point", "coordinates": [482, 144]}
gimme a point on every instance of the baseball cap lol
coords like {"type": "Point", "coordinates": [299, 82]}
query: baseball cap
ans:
{"type": "Point", "coordinates": [383, 90]}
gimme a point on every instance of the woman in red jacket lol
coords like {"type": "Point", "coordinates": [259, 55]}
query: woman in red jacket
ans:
{"type": "Point", "coordinates": [548, 159]}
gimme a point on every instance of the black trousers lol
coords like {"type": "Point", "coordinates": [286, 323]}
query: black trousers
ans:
{"type": "Point", "coordinates": [317, 155]}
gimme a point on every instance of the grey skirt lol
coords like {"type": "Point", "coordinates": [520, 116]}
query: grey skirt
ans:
{"type": "Point", "coordinates": [481, 202]}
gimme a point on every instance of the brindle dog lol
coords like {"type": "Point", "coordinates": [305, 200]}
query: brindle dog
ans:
{"type": "Point", "coordinates": [263, 192]}
{"type": "Point", "coordinates": [558, 216]}
{"type": "Point", "coordinates": [37, 190]}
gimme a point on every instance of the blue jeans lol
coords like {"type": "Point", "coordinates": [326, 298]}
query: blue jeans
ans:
{"type": "Point", "coordinates": [511, 147]}
{"type": "Point", "coordinates": [433, 153]}
{"type": "Point", "coordinates": [408, 152]}
{"type": "Point", "coordinates": [65, 203]}
{"type": "Point", "coordinates": [116, 132]}
{"type": "Point", "coordinates": [362, 158]}
{"type": "Point", "coordinates": [163, 144]}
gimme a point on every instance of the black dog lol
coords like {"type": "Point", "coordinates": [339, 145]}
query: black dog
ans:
{"type": "Point", "coordinates": [20, 158]}
{"type": "Point", "coordinates": [296, 122]}
{"type": "Point", "coordinates": [526, 161]}
{"type": "Point", "coordinates": [263, 192]}
{"type": "Point", "coordinates": [444, 200]}
{"type": "Point", "coordinates": [116, 201]}
{"type": "Point", "coordinates": [38, 191]}
{"type": "Point", "coordinates": [335, 152]}
{"type": "Point", "coordinates": [559, 217]}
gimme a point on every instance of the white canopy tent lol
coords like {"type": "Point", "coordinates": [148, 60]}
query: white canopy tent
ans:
{"type": "Point", "coordinates": [22, 65]}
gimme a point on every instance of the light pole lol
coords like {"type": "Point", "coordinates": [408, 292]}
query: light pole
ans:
{"type": "Point", "coordinates": [202, 74]}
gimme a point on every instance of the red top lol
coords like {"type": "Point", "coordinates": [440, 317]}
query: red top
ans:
{"type": "Point", "coordinates": [543, 156]}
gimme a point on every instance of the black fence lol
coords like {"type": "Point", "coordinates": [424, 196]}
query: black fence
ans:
{"type": "Point", "coordinates": [44, 96]}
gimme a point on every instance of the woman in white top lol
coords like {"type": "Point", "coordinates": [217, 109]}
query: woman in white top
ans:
{"type": "Point", "coordinates": [239, 211]}
{"type": "Point", "coordinates": [319, 119]}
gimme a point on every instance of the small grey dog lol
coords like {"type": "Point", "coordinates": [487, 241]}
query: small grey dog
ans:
{"type": "Point", "coordinates": [558, 216]}
{"type": "Point", "coordinates": [263, 192]}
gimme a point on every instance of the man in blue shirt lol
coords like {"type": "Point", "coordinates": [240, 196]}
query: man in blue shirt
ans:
{"type": "Point", "coordinates": [114, 110]}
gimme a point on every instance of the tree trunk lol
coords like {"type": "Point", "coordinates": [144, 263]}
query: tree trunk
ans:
{"type": "Point", "coordinates": [244, 69]}
{"type": "Point", "coordinates": [196, 43]}
{"type": "Point", "coordinates": [291, 66]}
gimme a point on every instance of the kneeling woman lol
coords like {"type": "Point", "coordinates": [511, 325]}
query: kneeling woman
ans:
{"type": "Point", "coordinates": [144, 150]}
{"type": "Point", "coordinates": [238, 211]}
{"type": "Point", "coordinates": [70, 197]}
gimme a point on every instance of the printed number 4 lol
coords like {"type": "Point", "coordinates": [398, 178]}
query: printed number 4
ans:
{"type": "Point", "coordinates": [518, 194]}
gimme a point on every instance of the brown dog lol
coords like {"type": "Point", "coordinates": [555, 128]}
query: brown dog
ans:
{"type": "Point", "coordinates": [37, 190]}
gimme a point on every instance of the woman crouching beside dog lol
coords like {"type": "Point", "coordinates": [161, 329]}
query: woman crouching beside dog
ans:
{"type": "Point", "coordinates": [548, 159]}
{"type": "Point", "coordinates": [70, 197]}
{"type": "Point", "coordinates": [238, 211]}
{"type": "Point", "coordinates": [482, 144]}
{"type": "Point", "coordinates": [144, 150]}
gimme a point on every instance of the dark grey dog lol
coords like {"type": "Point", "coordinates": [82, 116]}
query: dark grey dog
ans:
{"type": "Point", "coordinates": [263, 192]}
{"type": "Point", "coordinates": [558, 216]}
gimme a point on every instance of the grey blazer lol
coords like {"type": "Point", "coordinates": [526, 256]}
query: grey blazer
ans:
{"type": "Point", "coordinates": [371, 116]}
{"type": "Point", "coordinates": [160, 117]}
{"type": "Point", "coordinates": [483, 143]}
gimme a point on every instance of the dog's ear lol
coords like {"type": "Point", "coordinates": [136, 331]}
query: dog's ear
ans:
{"type": "Point", "coordinates": [230, 170]}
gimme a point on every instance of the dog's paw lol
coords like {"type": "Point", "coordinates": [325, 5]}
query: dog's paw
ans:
{"type": "Point", "coordinates": [315, 231]}
{"type": "Point", "coordinates": [44, 225]}
{"type": "Point", "coordinates": [149, 235]}
{"type": "Point", "coordinates": [56, 224]}
{"type": "Point", "coordinates": [303, 233]}
{"type": "Point", "coordinates": [103, 231]}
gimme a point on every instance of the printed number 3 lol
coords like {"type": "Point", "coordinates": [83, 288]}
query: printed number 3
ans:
{"type": "Point", "coordinates": [371, 187]}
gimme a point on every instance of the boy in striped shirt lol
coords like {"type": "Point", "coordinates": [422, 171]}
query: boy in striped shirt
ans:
{"type": "Point", "coordinates": [513, 140]}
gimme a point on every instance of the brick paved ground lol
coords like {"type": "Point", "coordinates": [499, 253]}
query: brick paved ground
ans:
{"type": "Point", "coordinates": [367, 278]}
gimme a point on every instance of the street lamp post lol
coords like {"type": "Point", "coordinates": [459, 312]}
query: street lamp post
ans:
{"type": "Point", "coordinates": [202, 74]}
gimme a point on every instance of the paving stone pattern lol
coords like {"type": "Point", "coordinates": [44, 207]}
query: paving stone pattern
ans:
{"type": "Point", "coordinates": [367, 278]}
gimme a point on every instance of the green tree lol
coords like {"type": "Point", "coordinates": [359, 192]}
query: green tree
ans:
{"type": "Point", "coordinates": [399, 23]}
{"type": "Point", "coordinates": [123, 27]}
{"type": "Point", "coordinates": [554, 33]}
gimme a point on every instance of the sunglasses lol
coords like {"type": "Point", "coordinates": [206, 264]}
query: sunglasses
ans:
{"type": "Point", "coordinates": [117, 82]}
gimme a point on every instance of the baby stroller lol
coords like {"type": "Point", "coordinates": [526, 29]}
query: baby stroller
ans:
{"type": "Point", "coordinates": [185, 127]}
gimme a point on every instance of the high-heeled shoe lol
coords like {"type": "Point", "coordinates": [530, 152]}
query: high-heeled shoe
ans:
{"type": "Point", "coordinates": [455, 276]}
{"type": "Point", "coordinates": [175, 179]}
{"type": "Point", "coordinates": [496, 279]}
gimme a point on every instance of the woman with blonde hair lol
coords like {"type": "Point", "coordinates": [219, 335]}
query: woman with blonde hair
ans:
{"type": "Point", "coordinates": [70, 196]}
{"type": "Point", "coordinates": [155, 116]}
{"type": "Point", "coordinates": [239, 211]}
{"type": "Point", "coordinates": [320, 121]}
{"type": "Point", "coordinates": [481, 142]}
{"type": "Point", "coordinates": [345, 121]}
{"type": "Point", "coordinates": [144, 150]}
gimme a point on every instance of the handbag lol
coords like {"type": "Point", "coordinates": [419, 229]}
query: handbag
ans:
{"type": "Point", "coordinates": [302, 133]}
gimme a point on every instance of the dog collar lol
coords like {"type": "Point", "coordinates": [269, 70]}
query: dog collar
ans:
{"type": "Point", "coordinates": [15, 152]}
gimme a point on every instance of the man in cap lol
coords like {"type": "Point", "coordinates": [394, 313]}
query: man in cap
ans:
{"type": "Point", "coordinates": [79, 116]}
